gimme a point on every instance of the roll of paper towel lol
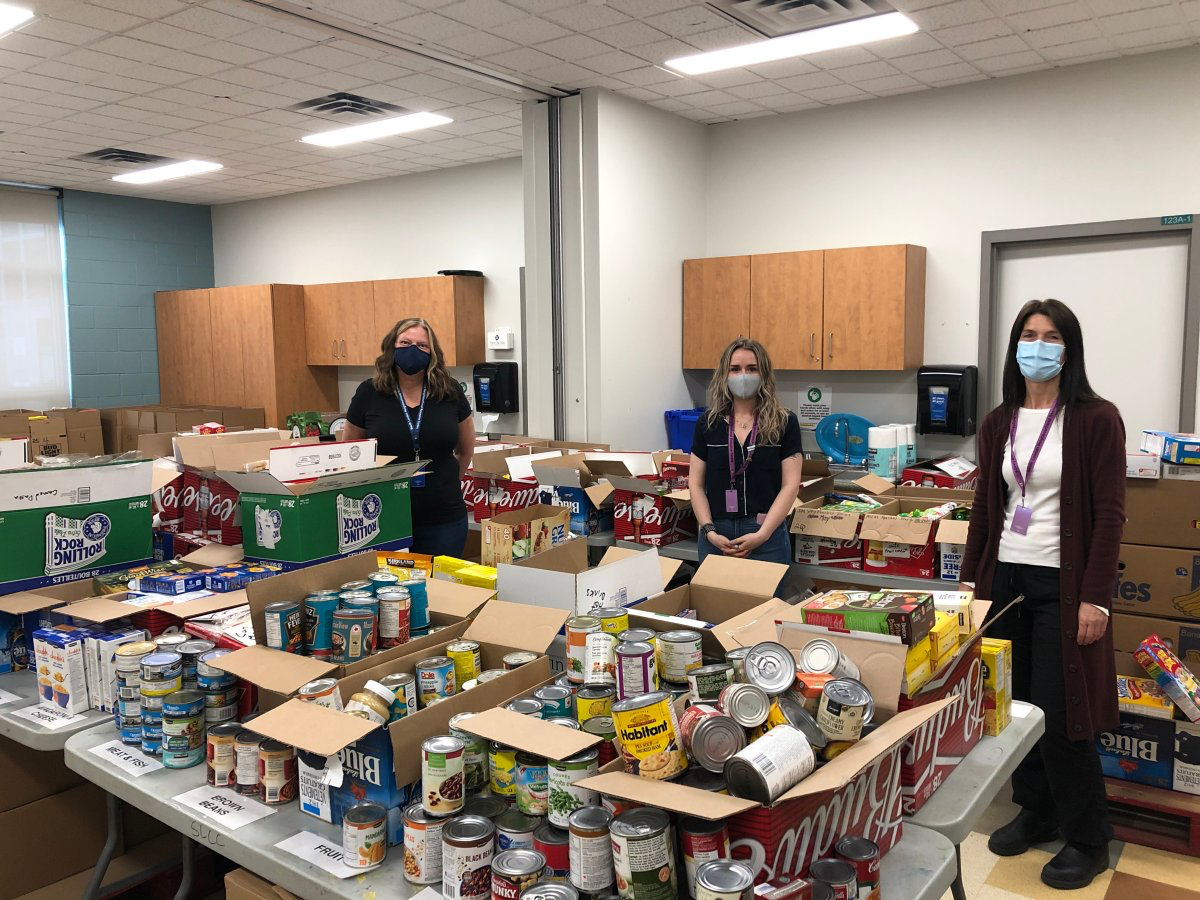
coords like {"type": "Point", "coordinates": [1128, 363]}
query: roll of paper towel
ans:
{"type": "Point", "coordinates": [881, 451]}
{"type": "Point", "coordinates": [911, 428]}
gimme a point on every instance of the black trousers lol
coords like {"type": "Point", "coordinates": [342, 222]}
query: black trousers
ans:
{"type": "Point", "coordinates": [1059, 778]}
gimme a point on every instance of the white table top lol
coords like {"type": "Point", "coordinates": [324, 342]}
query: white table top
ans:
{"type": "Point", "coordinates": [31, 734]}
{"type": "Point", "coordinates": [684, 550]}
{"type": "Point", "coordinates": [956, 806]}
{"type": "Point", "coordinates": [920, 867]}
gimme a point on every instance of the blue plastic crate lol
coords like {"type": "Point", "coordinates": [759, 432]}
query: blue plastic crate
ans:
{"type": "Point", "coordinates": [681, 426]}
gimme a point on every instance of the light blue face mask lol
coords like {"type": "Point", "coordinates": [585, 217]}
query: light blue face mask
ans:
{"type": "Point", "coordinates": [1039, 360]}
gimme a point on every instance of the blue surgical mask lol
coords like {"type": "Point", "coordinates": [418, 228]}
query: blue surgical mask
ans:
{"type": "Point", "coordinates": [412, 359]}
{"type": "Point", "coordinates": [1039, 360]}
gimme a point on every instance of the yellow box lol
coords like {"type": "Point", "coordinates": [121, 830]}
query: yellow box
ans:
{"type": "Point", "coordinates": [444, 567]}
{"type": "Point", "coordinates": [476, 576]}
{"type": "Point", "coordinates": [997, 685]}
{"type": "Point", "coordinates": [1144, 697]}
{"type": "Point", "coordinates": [957, 604]}
{"type": "Point", "coordinates": [943, 636]}
{"type": "Point", "coordinates": [916, 676]}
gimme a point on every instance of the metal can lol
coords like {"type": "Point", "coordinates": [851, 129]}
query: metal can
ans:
{"type": "Point", "coordinates": [177, 754]}
{"type": "Point", "coordinates": [552, 890]}
{"type": "Point", "coordinates": [638, 636]}
{"type": "Point", "coordinates": [764, 769]}
{"type": "Point", "coordinates": [382, 580]}
{"type": "Point", "coordinates": [215, 715]}
{"type": "Point", "coordinates": [404, 686]}
{"type": "Point", "coordinates": [151, 746]}
{"type": "Point", "coordinates": [218, 698]}
{"type": "Point", "coordinates": [246, 748]}
{"type": "Point", "coordinates": [164, 665]}
{"type": "Point", "coordinates": [557, 703]}
{"type": "Point", "coordinates": [277, 781]}
{"type": "Point", "coordinates": [435, 678]}
{"type": "Point", "coordinates": [706, 682]}
{"type": "Point", "coordinates": [210, 663]}
{"type": "Point", "coordinates": [468, 844]}
{"type": "Point", "coordinates": [564, 681]}
{"type": "Point", "coordinates": [565, 795]}
{"type": "Point", "coordinates": [465, 655]}
{"type": "Point", "coordinates": [822, 657]}
{"type": "Point", "coordinates": [566, 723]}
{"type": "Point", "coordinates": [593, 700]}
{"type": "Point", "coordinates": [525, 706]}
{"type": "Point", "coordinates": [170, 641]}
{"type": "Point", "coordinates": [183, 704]}
{"type": "Point", "coordinates": [644, 855]}
{"type": "Point", "coordinates": [364, 835]}
{"type": "Point", "coordinates": [359, 584]}
{"type": "Point", "coordinates": [603, 727]}
{"type": "Point", "coordinates": [323, 692]}
{"type": "Point", "coordinates": [514, 831]}
{"type": "Point", "coordinates": [863, 854]}
{"type": "Point", "coordinates": [353, 635]}
{"type": "Point", "coordinates": [637, 669]}
{"type": "Point", "coordinates": [533, 788]}
{"type": "Point", "coordinates": [221, 764]}
{"type": "Point", "coordinates": [442, 761]}
{"type": "Point", "coordinates": [770, 666]}
{"type": "Point", "coordinates": [554, 844]}
{"type": "Point", "coordinates": [319, 608]}
{"type": "Point", "coordinates": [589, 848]}
{"type": "Point", "coordinates": [419, 607]}
{"type": "Point", "coordinates": [515, 871]}
{"type": "Point", "coordinates": [838, 874]}
{"type": "Point", "coordinates": [422, 846]}
{"type": "Point", "coordinates": [160, 688]}
{"type": "Point", "coordinates": [723, 879]}
{"type": "Point", "coordinates": [502, 769]}
{"type": "Point", "coordinates": [517, 658]}
{"type": "Point", "coordinates": [475, 754]}
{"type": "Point", "coordinates": [489, 675]}
{"type": "Point", "coordinates": [130, 709]}
{"type": "Point", "coordinates": [577, 629]}
{"type": "Point", "coordinates": [701, 841]}
{"type": "Point", "coordinates": [285, 626]}
{"type": "Point", "coordinates": [678, 652]}
{"type": "Point", "coordinates": [737, 658]}
{"type": "Point", "coordinates": [394, 628]}
{"type": "Point", "coordinates": [185, 732]}
{"type": "Point", "coordinates": [613, 620]}
{"type": "Point", "coordinates": [192, 650]}
{"type": "Point", "coordinates": [746, 704]}
{"type": "Point", "coordinates": [710, 737]}
{"type": "Point", "coordinates": [703, 780]}
{"type": "Point", "coordinates": [846, 705]}
{"type": "Point", "coordinates": [648, 735]}
{"type": "Point", "coordinates": [128, 657]}
{"type": "Point", "coordinates": [221, 682]}
{"type": "Point", "coordinates": [485, 805]}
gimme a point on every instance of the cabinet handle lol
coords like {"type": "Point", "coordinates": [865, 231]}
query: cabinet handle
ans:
{"type": "Point", "coordinates": [812, 339]}
{"type": "Point", "coordinates": [343, 349]}
{"type": "Point", "coordinates": [335, 348]}
{"type": "Point", "coordinates": [831, 345]}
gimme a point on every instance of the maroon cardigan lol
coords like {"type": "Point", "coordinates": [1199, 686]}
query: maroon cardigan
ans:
{"type": "Point", "coordinates": [1092, 519]}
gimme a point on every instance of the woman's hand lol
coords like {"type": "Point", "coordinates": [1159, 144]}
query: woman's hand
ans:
{"type": "Point", "coordinates": [1092, 624]}
{"type": "Point", "coordinates": [719, 541]}
{"type": "Point", "coordinates": [746, 544]}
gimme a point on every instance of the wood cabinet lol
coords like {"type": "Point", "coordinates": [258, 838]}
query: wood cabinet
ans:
{"type": "Point", "coordinates": [451, 304]}
{"type": "Point", "coordinates": [852, 309]}
{"type": "Point", "coordinates": [185, 372]}
{"type": "Point", "coordinates": [340, 324]}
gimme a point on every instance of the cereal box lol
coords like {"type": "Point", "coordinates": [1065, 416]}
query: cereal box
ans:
{"type": "Point", "coordinates": [1172, 676]}
{"type": "Point", "coordinates": [997, 685]}
{"type": "Point", "coordinates": [906, 614]}
{"type": "Point", "coordinates": [1143, 697]}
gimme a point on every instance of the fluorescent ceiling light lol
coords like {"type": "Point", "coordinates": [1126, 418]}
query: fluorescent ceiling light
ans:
{"type": "Point", "coordinates": [381, 128]}
{"type": "Point", "coordinates": [171, 170]}
{"type": "Point", "coordinates": [815, 40]}
{"type": "Point", "coordinates": [12, 16]}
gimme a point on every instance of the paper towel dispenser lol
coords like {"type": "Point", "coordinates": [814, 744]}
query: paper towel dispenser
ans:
{"type": "Point", "coordinates": [946, 399]}
{"type": "Point", "coordinates": [496, 388]}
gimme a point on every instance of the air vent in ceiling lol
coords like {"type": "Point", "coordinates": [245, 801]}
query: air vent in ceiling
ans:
{"type": "Point", "coordinates": [119, 157]}
{"type": "Point", "coordinates": [345, 106]}
{"type": "Point", "coordinates": [774, 18]}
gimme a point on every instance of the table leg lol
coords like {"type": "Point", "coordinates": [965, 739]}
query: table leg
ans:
{"type": "Point", "coordinates": [956, 889]}
{"type": "Point", "coordinates": [110, 845]}
{"type": "Point", "coordinates": [188, 857]}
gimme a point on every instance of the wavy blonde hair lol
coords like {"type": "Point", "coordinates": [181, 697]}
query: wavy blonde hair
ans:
{"type": "Point", "coordinates": [772, 416]}
{"type": "Point", "coordinates": [439, 385]}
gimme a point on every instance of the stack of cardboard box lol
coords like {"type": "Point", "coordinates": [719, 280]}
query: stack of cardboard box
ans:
{"type": "Point", "coordinates": [123, 424]}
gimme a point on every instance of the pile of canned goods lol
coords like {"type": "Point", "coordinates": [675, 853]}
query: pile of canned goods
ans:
{"type": "Point", "coordinates": [258, 767]}
{"type": "Point", "coordinates": [350, 623]}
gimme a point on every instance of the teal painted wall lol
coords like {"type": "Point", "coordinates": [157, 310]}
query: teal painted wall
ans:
{"type": "Point", "coordinates": [120, 250]}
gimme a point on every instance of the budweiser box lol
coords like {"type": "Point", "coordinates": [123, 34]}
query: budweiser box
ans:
{"type": "Point", "coordinates": [648, 512]}
{"type": "Point", "coordinates": [907, 614]}
{"type": "Point", "coordinates": [950, 472]}
{"type": "Point", "coordinates": [494, 488]}
{"type": "Point", "coordinates": [561, 578]}
{"type": "Point", "coordinates": [1158, 581]}
{"type": "Point", "coordinates": [515, 535]}
{"type": "Point", "coordinates": [901, 546]}
{"type": "Point", "coordinates": [568, 481]}
{"type": "Point", "coordinates": [829, 537]}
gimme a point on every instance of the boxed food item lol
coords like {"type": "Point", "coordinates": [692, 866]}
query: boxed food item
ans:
{"type": "Point", "coordinates": [62, 669]}
{"type": "Point", "coordinates": [918, 666]}
{"type": "Point", "coordinates": [515, 535]}
{"type": "Point", "coordinates": [944, 634]}
{"type": "Point", "coordinates": [960, 605]}
{"type": "Point", "coordinates": [1143, 697]}
{"type": "Point", "coordinates": [952, 548]}
{"type": "Point", "coordinates": [997, 685]}
{"type": "Point", "coordinates": [1174, 447]}
{"type": "Point", "coordinates": [1172, 676]}
{"type": "Point", "coordinates": [907, 614]}
{"type": "Point", "coordinates": [1139, 749]}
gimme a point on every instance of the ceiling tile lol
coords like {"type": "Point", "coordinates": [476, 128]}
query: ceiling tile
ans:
{"type": "Point", "coordinates": [55, 29]}
{"type": "Point", "coordinates": [757, 90]}
{"type": "Point", "coordinates": [1061, 14]}
{"type": "Point", "coordinates": [481, 13]}
{"type": "Point", "coordinates": [1158, 17]}
{"type": "Point", "coordinates": [523, 59]}
{"type": "Point", "coordinates": [688, 20]}
{"type": "Point", "coordinates": [529, 30]}
{"type": "Point", "coordinates": [943, 74]}
{"type": "Point", "coordinates": [272, 40]}
{"type": "Point", "coordinates": [994, 47]}
{"type": "Point", "coordinates": [1154, 37]}
{"type": "Point", "coordinates": [720, 38]}
{"type": "Point", "coordinates": [574, 47]}
{"type": "Point", "coordinates": [375, 12]}
{"type": "Point", "coordinates": [477, 44]}
{"type": "Point", "coordinates": [972, 32]}
{"type": "Point", "coordinates": [628, 34]}
{"type": "Point", "coordinates": [429, 26]}
{"type": "Point", "coordinates": [96, 17]}
{"type": "Point", "coordinates": [1010, 61]}
{"type": "Point", "coordinates": [890, 84]}
{"type": "Point", "coordinates": [803, 84]}
{"type": "Point", "coordinates": [919, 61]}
{"type": "Point", "coordinates": [1113, 7]}
{"type": "Point", "coordinates": [839, 59]}
{"type": "Point", "coordinates": [948, 15]}
{"type": "Point", "coordinates": [588, 17]}
{"type": "Point", "coordinates": [612, 63]}
{"type": "Point", "coordinates": [208, 21]}
{"type": "Point", "coordinates": [233, 54]}
{"type": "Point", "coordinates": [1063, 52]}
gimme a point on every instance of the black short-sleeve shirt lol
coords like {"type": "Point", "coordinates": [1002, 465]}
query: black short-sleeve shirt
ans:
{"type": "Point", "coordinates": [763, 479]}
{"type": "Point", "coordinates": [440, 501]}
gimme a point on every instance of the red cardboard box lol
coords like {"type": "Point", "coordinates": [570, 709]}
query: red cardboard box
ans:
{"type": "Point", "coordinates": [952, 472]}
{"type": "Point", "coordinates": [896, 546]}
{"type": "Point", "coordinates": [492, 490]}
{"type": "Point", "coordinates": [643, 515]}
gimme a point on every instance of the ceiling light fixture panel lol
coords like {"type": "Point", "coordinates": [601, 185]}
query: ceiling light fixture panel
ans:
{"type": "Point", "coordinates": [13, 16]}
{"type": "Point", "coordinates": [164, 173]}
{"type": "Point", "coordinates": [373, 131]}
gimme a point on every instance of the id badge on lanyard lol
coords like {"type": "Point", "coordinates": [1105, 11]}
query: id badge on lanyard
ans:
{"type": "Point", "coordinates": [1023, 514]}
{"type": "Point", "coordinates": [417, 481]}
{"type": "Point", "coordinates": [732, 502]}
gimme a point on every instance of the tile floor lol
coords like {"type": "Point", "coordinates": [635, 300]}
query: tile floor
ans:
{"type": "Point", "coordinates": [1137, 872]}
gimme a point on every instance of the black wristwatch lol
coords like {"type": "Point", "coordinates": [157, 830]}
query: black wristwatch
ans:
{"type": "Point", "coordinates": [706, 530]}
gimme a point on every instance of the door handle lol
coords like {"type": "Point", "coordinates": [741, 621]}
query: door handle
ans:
{"type": "Point", "coordinates": [831, 345]}
{"type": "Point", "coordinates": [334, 354]}
{"type": "Point", "coordinates": [343, 349]}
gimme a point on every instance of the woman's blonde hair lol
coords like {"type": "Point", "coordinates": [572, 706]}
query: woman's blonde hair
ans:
{"type": "Point", "coordinates": [772, 417]}
{"type": "Point", "coordinates": [438, 383]}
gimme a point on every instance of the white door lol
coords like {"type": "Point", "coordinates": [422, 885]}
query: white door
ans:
{"type": "Point", "coordinates": [1129, 295]}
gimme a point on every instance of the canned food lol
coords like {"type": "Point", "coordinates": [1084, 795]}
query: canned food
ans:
{"type": "Point", "coordinates": [603, 727]}
{"type": "Point", "coordinates": [489, 675]}
{"type": "Point", "coordinates": [214, 715]}
{"type": "Point", "coordinates": [723, 879]}
{"type": "Point", "coordinates": [191, 650]}
{"type": "Point", "coordinates": [706, 682]}
{"type": "Point", "coordinates": [822, 657]}
{"type": "Point", "coordinates": [364, 835]}
{"type": "Point", "coordinates": [589, 848]}
{"type": "Point", "coordinates": [475, 754]}
{"type": "Point", "coordinates": [375, 699]}
{"type": "Point", "coordinates": [323, 692]}
{"type": "Point", "coordinates": [703, 780]}
{"type": "Point", "coordinates": [554, 844]}
{"type": "Point", "coordinates": [638, 636]}
{"type": "Point", "coordinates": [846, 705]}
{"type": "Point", "coordinates": [130, 729]}
{"type": "Point", "coordinates": [566, 723]}
{"type": "Point", "coordinates": [190, 727]}
{"type": "Point", "coordinates": [514, 871]}
{"type": "Point", "coordinates": [465, 655]}
{"type": "Point", "coordinates": [151, 746]}
{"type": "Point", "coordinates": [766, 768]}
{"type": "Point", "coordinates": [771, 667]}
{"type": "Point", "coordinates": [613, 620]}
{"type": "Point", "coordinates": [394, 628]}
{"type": "Point", "coordinates": [678, 652]}
{"type": "Point", "coordinates": [382, 580]}
{"type": "Point", "coordinates": [221, 757]}
{"type": "Point", "coordinates": [557, 702]}
{"type": "Point", "coordinates": [161, 688]}
{"type": "Point", "coordinates": [152, 717]}
{"type": "Point", "coordinates": [709, 736]}
{"type": "Point", "coordinates": [353, 635]}
{"type": "Point", "coordinates": [737, 658]}
{"type": "Point", "coordinates": [517, 658]}
{"type": "Point", "coordinates": [151, 704]}
{"type": "Point", "coordinates": [246, 747]}
{"type": "Point", "coordinates": [486, 805]}
{"type": "Point", "coordinates": [746, 704]}
{"type": "Point", "coordinates": [592, 700]}
{"type": "Point", "coordinates": [468, 844]}
{"type": "Point", "coordinates": [786, 711]}
{"type": "Point", "coordinates": [637, 670]}
{"type": "Point", "coordinates": [838, 874]}
{"type": "Point", "coordinates": [435, 678]}
{"type": "Point", "coordinates": [170, 641]}
{"type": "Point", "coordinates": [209, 663]}
{"type": "Point", "coordinates": [175, 756]}
{"type": "Point", "coordinates": [808, 688]}
{"type": "Point", "coordinates": [442, 765]}
{"type": "Point", "coordinates": [419, 605]}
{"type": "Point", "coordinates": [502, 769]}
{"type": "Point", "coordinates": [404, 687]}
{"type": "Point", "coordinates": [701, 841]}
{"type": "Point", "coordinates": [277, 781]}
{"type": "Point", "coordinates": [565, 796]}
{"type": "Point", "coordinates": [163, 665]}
{"type": "Point", "coordinates": [128, 657]}
{"type": "Point", "coordinates": [564, 681]}
{"type": "Point", "coordinates": [525, 706]}
{"type": "Point", "coordinates": [284, 622]}
{"type": "Point", "coordinates": [220, 682]}
{"type": "Point", "coordinates": [532, 784]}
{"type": "Point", "coordinates": [514, 831]}
{"type": "Point", "coordinates": [644, 855]}
{"type": "Point", "coordinates": [863, 854]}
{"type": "Point", "coordinates": [217, 698]}
{"type": "Point", "coordinates": [577, 629]}
{"type": "Point", "coordinates": [422, 846]}
{"type": "Point", "coordinates": [319, 608]}
{"type": "Point", "coordinates": [550, 890]}
{"type": "Point", "coordinates": [648, 735]}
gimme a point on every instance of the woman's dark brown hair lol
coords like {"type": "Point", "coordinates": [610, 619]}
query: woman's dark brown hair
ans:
{"type": "Point", "coordinates": [1073, 386]}
{"type": "Point", "coordinates": [439, 385]}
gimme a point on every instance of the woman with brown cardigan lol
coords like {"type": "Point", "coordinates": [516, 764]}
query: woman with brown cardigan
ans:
{"type": "Point", "coordinates": [1046, 529]}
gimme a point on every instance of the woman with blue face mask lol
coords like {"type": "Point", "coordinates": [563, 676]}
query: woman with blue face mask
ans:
{"type": "Point", "coordinates": [417, 411]}
{"type": "Point", "coordinates": [1046, 531]}
{"type": "Point", "coordinates": [745, 463]}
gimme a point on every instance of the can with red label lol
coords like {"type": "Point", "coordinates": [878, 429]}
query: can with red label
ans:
{"type": "Point", "coordinates": [554, 845]}
{"type": "Point", "coordinates": [515, 870]}
{"type": "Point", "coordinates": [863, 854]}
{"type": "Point", "coordinates": [838, 874]}
{"type": "Point", "coordinates": [701, 841]}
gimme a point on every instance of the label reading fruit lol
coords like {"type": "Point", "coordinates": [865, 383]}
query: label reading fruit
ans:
{"type": "Point", "coordinates": [442, 782]}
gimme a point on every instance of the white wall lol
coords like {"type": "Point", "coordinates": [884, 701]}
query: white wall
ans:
{"type": "Point", "coordinates": [468, 217]}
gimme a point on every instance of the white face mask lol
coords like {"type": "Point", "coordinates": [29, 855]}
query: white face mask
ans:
{"type": "Point", "coordinates": [744, 385]}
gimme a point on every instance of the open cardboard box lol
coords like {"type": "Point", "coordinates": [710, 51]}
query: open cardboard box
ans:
{"type": "Point", "coordinates": [553, 445]}
{"type": "Point", "coordinates": [489, 488]}
{"type": "Point", "coordinates": [561, 578]}
{"type": "Point", "coordinates": [522, 533]}
{"type": "Point", "coordinates": [529, 733]}
{"type": "Point", "coordinates": [952, 546]}
{"type": "Point", "coordinates": [909, 545]}
{"type": "Point", "coordinates": [830, 537]}
{"type": "Point", "coordinates": [570, 482]}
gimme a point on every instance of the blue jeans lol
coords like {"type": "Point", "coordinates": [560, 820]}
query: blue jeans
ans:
{"type": "Point", "coordinates": [440, 540]}
{"type": "Point", "coordinates": [776, 548]}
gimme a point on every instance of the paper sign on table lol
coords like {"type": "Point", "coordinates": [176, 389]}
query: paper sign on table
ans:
{"type": "Point", "coordinates": [131, 759]}
{"type": "Point", "coordinates": [47, 716]}
{"type": "Point", "coordinates": [322, 852]}
{"type": "Point", "coordinates": [222, 805]}
{"type": "Point", "coordinates": [8, 697]}
{"type": "Point", "coordinates": [427, 894]}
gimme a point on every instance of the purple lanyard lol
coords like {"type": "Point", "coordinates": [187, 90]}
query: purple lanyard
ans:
{"type": "Point", "coordinates": [1022, 481]}
{"type": "Point", "coordinates": [751, 443]}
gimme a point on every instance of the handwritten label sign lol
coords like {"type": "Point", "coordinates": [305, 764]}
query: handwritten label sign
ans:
{"type": "Point", "coordinates": [427, 894]}
{"type": "Point", "coordinates": [130, 759]}
{"type": "Point", "coordinates": [8, 697]}
{"type": "Point", "coordinates": [47, 716]}
{"type": "Point", "coordinates": [222, 805]}
{"type": "Point", "coordinates": [320, 851]}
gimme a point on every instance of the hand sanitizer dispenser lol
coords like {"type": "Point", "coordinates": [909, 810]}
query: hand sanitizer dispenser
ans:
{"type": "Point", "coordinates": [946, 399]}
{"type": "Point", "coordinates": [496, 387]}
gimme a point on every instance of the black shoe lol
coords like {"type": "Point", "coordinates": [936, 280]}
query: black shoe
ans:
{"type": "Point", "coordinates": [1027, 828]}
{"type": "Point", "coordinates": [1075, 866]}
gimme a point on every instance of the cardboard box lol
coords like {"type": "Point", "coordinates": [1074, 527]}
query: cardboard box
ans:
{"type": "Point", "coordinates": [561, 578]}
{"type": "Point", "coordinates": [647, 512]}
{"type": "Point", "coordinates": [952, 547]}
{"type": "Point", "coordinates": [14, 452]}
{"type": "Point", "coordinates": [1173, 447]}
{"type": "Point", "coordinates": [568, 482]}
{"type": "Point", "coordinates": [515, 535]}
{"type": "Point", "coordinates": [1162, 513]}
{"type": "Point", "coordinates": [896, 546]}
{"type": "Point", "coordinates": [84, 433]}
{"type": "Point", "coordinates": [47, 437]}
{"type": "Point", "coordinates": [1130, 630]}
{"type": "Point", "coordinates": [34, 835]}
{"type": "Point", "coordinates": [1158, 581]}
{"type": "Point", "coordinates": [1143, 697]}
{"type": "Point", "coordinates": [907, 614]}
{"type": "Point", "coordinates": [1139, 749]}
{"type": "Point", "coordinates": [492, 490]}
{"type": "Point", "coordinates": [243, 885]}
{"type": "Point", "coordinates": [307, 461]}
{"type": "Point", "coordinates": [1180, 473]}
{"type": "Point", "coordinates": [952, 472]}
{"type": "Point", "coordinates": [30, 775]}
{"type": "Point", "coordinates": [830, 537]}
{"type": "Point", "coordinates": [524, 440]}
{"type": "Point", "coordinates": [1142, 465]}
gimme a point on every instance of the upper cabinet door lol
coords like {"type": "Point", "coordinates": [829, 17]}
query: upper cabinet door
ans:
{"type": "Point", "coordinates": [716, 307]}
{"type": "Point", "coordinates": [339, 322]}
{"type": "Point", "coordinates": [185, 348]}
{"type": "Point", "coordinates": [431, 299]}
{"type": "Point", "coordinates": [786, 307]}
{"type": "Point", "coordinates": [226, 312]}
{"type": "Point", "coordinates": [874, 308]}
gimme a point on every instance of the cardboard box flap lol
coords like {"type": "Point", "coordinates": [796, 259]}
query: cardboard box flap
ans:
{"type": "Point", "coordinates": [157, 445]}
{"type": "Point", "coordinates": [842, 526]}
{"type": "Point", "coordinates": [520, 468]}
{"type": "Point", "coordinates": [265, 483]}
{"type": "Point", "coordinates": [161, 474]}
{"type": "Point", "coordinates": [311, 727]}
{"type": "Point", "coordinates": [102, 609]}
{"type": "Point", "coordinates": [633, 485]}
{"type": "Point", "coordinates": [458, 600]}
{"type": "Point", "coordinates": [109, 608]}
{"type": "Point", "coordinates": [624, 581]}
{"type": "Point", "coordinates": [606, 468]}
{"type": "Point", "coordinates": [567, 470]}
{"type": "Point", "coordinates": [877, 527]}
{"type": "Point", "coordinates": [517, 625]}
{"type": "Point", "coordinates": [669, 566]}
{"type": "Point", "coordinates": [197, 450]}
{"type": "Point", "coordinates": [678, 798]}
{"type": "Point", "coordinates": [746, 576]}
{"type": "Point", "coordinates": [952, 531]}
{"type": "Point", "coordinates": [635, 463]}
{"type": "Point", "coordinates": [751, 627]}
{"type": "Point", "coordinates": [26, 601]}
{"type": "Point", "coordinates": [530, 734]}
{"type": "Point", "coordinates": [873, 484]}
{"type": "Point", "coordinates": [212, 555]}
{"type": "Point", "coordinates": [283, 673]}
{"type": "Point", "coordinates": [494, 463]}
{"type": "Point", "coordinates": [192, 608]}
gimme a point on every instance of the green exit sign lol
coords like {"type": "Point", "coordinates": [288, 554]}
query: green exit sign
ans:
{"type": "Point", "coordinates": [1177, 220]}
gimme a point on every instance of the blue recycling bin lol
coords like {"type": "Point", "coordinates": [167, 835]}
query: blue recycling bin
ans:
{"type": "Point", "coordinates": [681, 425]}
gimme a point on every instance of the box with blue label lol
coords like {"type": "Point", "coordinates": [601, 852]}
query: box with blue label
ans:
{"type": "Point", "coordinates": [567, 481]}
{"type": "Point", "coordinates": [1172, 446]}
{"type": "Point", "coordinates": [1139, 749]}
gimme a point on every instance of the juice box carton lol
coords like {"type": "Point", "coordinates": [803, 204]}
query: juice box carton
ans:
{"type": "Point", "coordinates": [1176, 680]}
{"type": "Point", "coordinates": [997, 685]}
{"type": "Point", "coordinates": [906, 614]}
{"type": "Point", "coordinates": [1144, 697]}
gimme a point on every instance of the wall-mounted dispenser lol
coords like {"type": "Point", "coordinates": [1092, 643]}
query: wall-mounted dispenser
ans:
{"type": "Point", "coordinates": [946, 399]}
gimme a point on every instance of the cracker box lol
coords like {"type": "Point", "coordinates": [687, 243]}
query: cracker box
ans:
{"type": "Point", "coordinates": [997, 685]}
{"type": "Point", "coordinates": [1161, 664]}
{"type": "Point", "coordinates": [1140, 750]}
{"type": "Point", "coordinates": [943, 636]}
{"type": "Point", "coordinates": [1143, 697]}
{"type": "Point", "coordinates": [907, 614]}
